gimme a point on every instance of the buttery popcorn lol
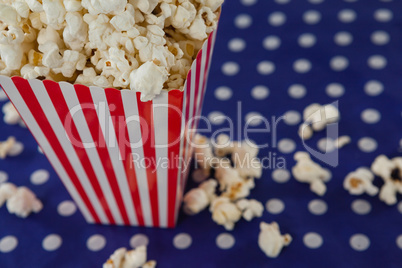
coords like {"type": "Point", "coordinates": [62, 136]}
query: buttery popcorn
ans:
{"type": "Point", "coordinates": [198, 199]}
{"type": "Point", "coordinates": [390, 170]}
{"type": "Point", "coordinates": [143, 45]}
{"type": "Point", "coordinates": [271, 241]}
{"type": "Point", "coordinates": [360, 182]}
{"type": "Point", "coordinates": [250, 208]}
{"type": "Point", "coordinates": [225, 213]}
{"type": "Point", "coordinates": [136, 258]}
{"type": "Point", "coordinates": [307, 171]}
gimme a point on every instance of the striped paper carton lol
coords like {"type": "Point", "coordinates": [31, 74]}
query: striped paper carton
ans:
{"type": "Point", "coordinates": [123, 161]}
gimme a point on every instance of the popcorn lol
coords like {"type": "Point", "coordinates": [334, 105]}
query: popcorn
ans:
{"type": "Point", "coordinates": [390, 170]}
{"type": "Point", "coordinates": [225, 212]}
{"type": "Point", "coordinates": [8, 15]}
{"type": "Point", "coordinates": [271, 241]}
{"type": "Point", "coordinates": [183, 15]}
{"type": "Point", "coordinates": [203, 24]}
{"type": "Point", "coordinates": [72, 5]}
{"type": "Point", "coordinates": [124, 21]}
{"type": "Point", "coordinates": [223, 145]}
{"type": "Point", "coordinates": [11, 115]}
{"type": "Point", "coordinates": [203, 153]}
{"type": "Point", "coordinates": [6, 191]}
{"type": "Point", "coordinates": [75, 33]}
{"type": "Point", "coordinates": [51, 55]}
{"type": "Point", "coordinates": [199, 198]}
{"type": "Point", "coordinates": [21, 201]}
{"type": "Point", "coordinates": [35, 5]}
{"type": "Point", "coordinates": [72, 61]}
{"type": "Point", "coordinates": [6, 146]}
{"type": "Point", "coordinates": [96, 7]}
{"type": "Point", "coordinates": [359, 182]}
{"type": "Point", "coordinates": [148, 79]}
{"type": "Point", "coordinates": [250, 208]}
{"type": "Point", "coordinates": [55, 13]}
{"type": "Point", "coordinates": [199, 175]}
{"type": "Point", "coordinates": [87, 76]}
{"type": "Point", "coordinates": [146, 6]}
{"type": "Point", "coordinates": [135, 258]}
{"type": "Point", "coordinates": [318, 116]}
{"type": "Point", "coordinates": [342, 141]}
{"type": "Point", "coordinates": [310, 172]}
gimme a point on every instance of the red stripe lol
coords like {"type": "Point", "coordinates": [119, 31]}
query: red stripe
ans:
{"type": "Point", "coordinates": [119, 121]}
{"type": "Point", "coordinates": [174, 130]}
{"type": "Point", "coordinates": [29, 97]}
{"type": "Point", "coordinates": [59, 103]}
{"type": "Point", "coordinates": [148, 139]}
{"type": "Point", "coordinates": [88, 108]}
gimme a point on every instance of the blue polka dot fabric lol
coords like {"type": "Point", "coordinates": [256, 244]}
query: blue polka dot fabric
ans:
{"type": "Point", "coordinates": [272, 59]}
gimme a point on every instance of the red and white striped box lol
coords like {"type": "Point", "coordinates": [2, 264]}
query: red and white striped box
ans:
{"type": "Point", "coordinates": [123, 161]}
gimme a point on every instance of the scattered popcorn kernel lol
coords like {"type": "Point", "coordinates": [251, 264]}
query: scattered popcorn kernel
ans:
{"type": "Point", "coordinates": [390, 170]}
{"type": "Point", "coordinates": [6, 191]}
{"type": "Point", "coordinates": [271, 241]}
{"type": "Point", "coordinates": [342, 141]}
{"type": "Point", "coordinates": [250, 208]}
{"type": "Point", "coordinates": [360, 182]}
{"type": "Point", "coordinates": [305, 131]}
{"type": "Point", "coordinates": [310, 172]}
{"type": "Point", "coordinates": [316, 117]}
{"type": "Point", "coordinates": [11, 115]}
{"type": "Point", "coordinates": [6, 146]}
{"type": "Point", "coordinates": [23, 202]}
{"type": "Point", "coordinates": [225, 213]}
{"type": "Point", "coordinates": [136, 258]}
{"type": "Point", "coordinates": [198, 199]}
{"type": "Point", "coordinates": [203, 153]}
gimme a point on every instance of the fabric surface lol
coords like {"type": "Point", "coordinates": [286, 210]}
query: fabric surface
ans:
{"type": "Point", "coordinates": [272, 58]}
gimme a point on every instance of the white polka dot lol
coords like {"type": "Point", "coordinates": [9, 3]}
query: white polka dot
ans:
{"type": "Point", "coordinates": [311, 17]}
{"type": "Point", "coordinates": [286, 146]}
{"type": "Point", "coordinates": [307, 40]}
{"type": "Point", "coordinates": [216, 118]}
{"type": "Point", "coordinates": [243, 21]}
{"type": "Point", "coordinates": [236, 45]}
{"type": "Point", "coordinates": [343, 39]}
{"type": "Point", "coordinates": [297, 91]}
{"type": "Point", "coordinates": [400, 207]}
{"type": "Point", "coordinates": [335, 90]}
{"type": "Point", "coordinates": [350, 1]}
{"type": "Point", "coordinates": [248, 2]}
{"type": "Point", "coordinates": [292, 118]}
{"type": "Point", "coordinates": [17, 149]}
{"type": "Point", "coordinates": [316, 1]}
{"type": "Point", "coordinates": [277, 19]}
{"type": "Point", "coordinates": [370, 116]}
{"type": "Point", "coordinates": [339, 63]}
{"type": "Point", "coordinates": [367, 145]}
{"type": "Point", "coordinates": [66, 208]}
{"type": "Point", "coordinates": [182, 241]}
{"type": "Point", "coordinates": [260, 92]}
{"type": "Point", "coordinates": [347, 15]}
{"type": "Point", "coordinates": [377, 62]}
{"type": "Point", "coordinates": [383, 15]}
{"type": "Point", "coordinates": [271, 42]}
{"type": "Point", "coordinates": [302, 66]}
{"type": "Point", "coordinates": [40, 177]}
{"type": "Point", "coordinates": [96, 242]}
{"type": "Point", "coordinates": [3, 176]}
{"type": "Point", "coordinates": [312, 240]}
{"type": "Point", "coordinates": [281, 175]}
{"type": "Point", "coordinates": [230, 68]}
{"type": "Point", "coordinates": [3, 95]}
{"type": "Point", "coordinates": [317, 207]}
{"type": "Point", "coordinates": [223, 93]}
{"type": "Point", "coordinates": [254, 119]}
{"type": "Point", "coordinates": [40, 150]}
{"type": "Point", "coordinates": [275, 206]}
{"type": "Point", "coordinates": [373, 88]}
{"type": "Point", "coordinates": [326, 145]}
{"type": "Point", "coordinates": [399, 241]}
{"type": "Point", "coordinates": [282, 2]}
{"type": "Point", "coordinates": [361, 207]}
{"type": "Point", "coordinates": [139, 240]}
{"type": "Point", "coordinates": [359, 242]}
{"type": "Point", "coordinates": [266, 67]}
{"type": "Point", "coordinates": [52, 242]}
{"type": "Point", "coordinates": [380, 38]}
{"type": "Point", "coordinates": [225, 241]}
{"type": "Point", "coordinates": [8, 244]}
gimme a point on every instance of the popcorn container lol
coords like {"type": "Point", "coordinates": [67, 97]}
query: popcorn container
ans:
{"type": "Point", "coordinates": [123, 161]}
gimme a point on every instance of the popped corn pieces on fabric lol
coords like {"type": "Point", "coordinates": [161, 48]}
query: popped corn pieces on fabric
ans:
{"type": "Point", "coordinates": [140, 45]}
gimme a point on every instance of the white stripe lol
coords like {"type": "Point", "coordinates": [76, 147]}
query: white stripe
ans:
{"type": "Point", "coordinates": [99, 97]}
{"type": "Point", "coordinates": [160, 112]}
{"type": "Point", "coordinates": [12, 92]}
{"type": "Point", "coordinates": [51, 114]}
{"type": "Point", "coordinates": [78, 117]}
{"type": "Point", "coordinates": [201, 82]}
{"type": "Point", "coordinates": [137, 150]}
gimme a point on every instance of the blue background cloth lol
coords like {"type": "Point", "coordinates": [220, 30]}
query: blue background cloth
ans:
{"type": "Point", "coordinates": [244, 58]}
